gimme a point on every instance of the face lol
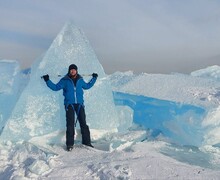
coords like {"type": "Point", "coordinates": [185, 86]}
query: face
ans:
{"type": "Point", "coordinates": [73, 72]}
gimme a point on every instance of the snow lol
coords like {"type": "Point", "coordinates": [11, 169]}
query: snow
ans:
{"type": "Point", "coordinates": [142, 160]}
{"type": "Point", "coordinates": [159, 126]}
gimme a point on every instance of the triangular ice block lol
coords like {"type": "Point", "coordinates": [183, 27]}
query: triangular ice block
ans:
{"type": "Point", "coordinates": [40, 110]}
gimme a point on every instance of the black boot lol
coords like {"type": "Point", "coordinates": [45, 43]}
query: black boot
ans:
{"type": "Point", "coordinates": [90, 145]}
{"type": "Point", "coordinates": [69, 148]}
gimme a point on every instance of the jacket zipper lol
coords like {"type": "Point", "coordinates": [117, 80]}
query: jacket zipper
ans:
{"type": "Point", "coordinates": [74, 91]}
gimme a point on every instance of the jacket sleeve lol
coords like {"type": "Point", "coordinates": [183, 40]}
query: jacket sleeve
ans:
{"type": "Point", "coordinates": [89, 84]}
{"type": "Point", "coordinates": [55, 87]}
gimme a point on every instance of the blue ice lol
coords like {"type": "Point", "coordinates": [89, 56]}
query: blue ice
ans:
{"type": "Point", "coordinates": [181, 123]}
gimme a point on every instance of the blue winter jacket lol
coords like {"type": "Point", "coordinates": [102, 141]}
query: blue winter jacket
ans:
{"type": "Point", "coordinates": [72, 94]}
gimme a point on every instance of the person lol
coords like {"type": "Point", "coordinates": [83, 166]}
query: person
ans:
{"type": "Point", "coordinates": [73, 85]}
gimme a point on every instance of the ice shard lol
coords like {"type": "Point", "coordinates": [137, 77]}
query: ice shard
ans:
{"type": "Point", "coordinates": [40, 111]}
{"type": "Point", "coordinates": [9, 88]}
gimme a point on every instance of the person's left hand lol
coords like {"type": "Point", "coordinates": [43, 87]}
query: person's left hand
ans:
{"type": "Point", "coordinates": [46, 77]}
{"type": "Point", "coordinates": [95, 75]}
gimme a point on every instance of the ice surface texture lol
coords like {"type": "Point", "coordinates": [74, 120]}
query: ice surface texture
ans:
{"type": "Point", "coordinates": [9, 88]}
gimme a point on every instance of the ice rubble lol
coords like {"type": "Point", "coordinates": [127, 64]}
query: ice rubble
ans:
{"type": "Point", "coordinates": [183, 108]}
{"type": "Point", "coordinates": [174, 108]}
{"type": "Point", "coordinates": [211, 72]}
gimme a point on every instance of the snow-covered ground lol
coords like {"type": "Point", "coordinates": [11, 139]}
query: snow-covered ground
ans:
{"type": "Point", "coordinates": [153, 126]}
{"type": "Point", "coordinates": [131, 160]}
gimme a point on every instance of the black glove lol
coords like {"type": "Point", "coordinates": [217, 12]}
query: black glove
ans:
{"type": "Point", "coordinates": [95, 75]}
{"type": "Point", "coordinates": [46, 77]}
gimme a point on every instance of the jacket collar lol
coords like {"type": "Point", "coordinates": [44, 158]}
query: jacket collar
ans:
{"type": "Point", "coordinates": [68, 77]}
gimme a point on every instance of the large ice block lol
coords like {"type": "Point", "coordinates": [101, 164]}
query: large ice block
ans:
{"type": "Point", "coordinates": [9, 88]}
{"type": "Point", "coordinates": [40, 110]}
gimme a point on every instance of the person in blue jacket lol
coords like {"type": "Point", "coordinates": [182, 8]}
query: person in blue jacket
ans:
{"type": "Point", "coordinates": [73, 86]}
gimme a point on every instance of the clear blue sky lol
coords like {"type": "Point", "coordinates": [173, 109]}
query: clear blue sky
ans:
{"type": "Point", "coordinates": [153, 36]}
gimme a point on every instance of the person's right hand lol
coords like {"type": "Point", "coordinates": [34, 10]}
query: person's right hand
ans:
{"type": "Point", "coordinates": [46, 77]}
{"type": "Point", "coordinates": [95, 75]}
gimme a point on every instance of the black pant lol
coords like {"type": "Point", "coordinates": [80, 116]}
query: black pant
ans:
{"type": "Point", "coordinates": [70, 124]}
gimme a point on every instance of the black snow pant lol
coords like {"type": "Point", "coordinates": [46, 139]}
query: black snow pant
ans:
{"type": "Point", "coordinates": [70, 124]}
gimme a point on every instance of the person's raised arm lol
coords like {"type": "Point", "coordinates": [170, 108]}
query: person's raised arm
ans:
{"type": "Point", "coordinates": [51, 85]}
{"type": "Point", "coordinates": [91, 82]}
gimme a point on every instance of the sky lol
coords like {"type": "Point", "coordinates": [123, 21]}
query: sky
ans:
{"type": "Point", "coordinates": [152, 36]}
